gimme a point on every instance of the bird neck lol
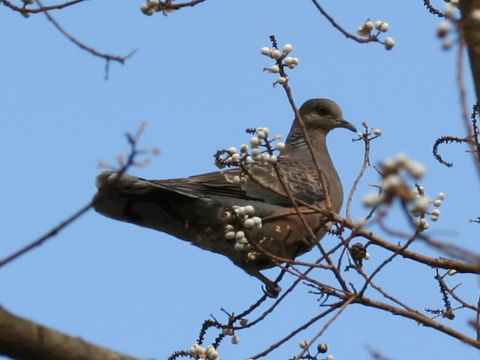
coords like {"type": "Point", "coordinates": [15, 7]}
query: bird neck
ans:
{"type": "Point", "coordinates": [296, 139]}
{"type": "Point", "coordinates": [297, 148]}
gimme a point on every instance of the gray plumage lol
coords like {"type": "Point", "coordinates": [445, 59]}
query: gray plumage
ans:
{"type": "Point", "coordinates": [196, 208]}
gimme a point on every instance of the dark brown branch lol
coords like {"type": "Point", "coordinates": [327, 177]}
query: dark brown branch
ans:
{"type": "Point", "coordinates": [22, 339]}
{"type": "Point", "coordinates": [462, 267]}
{"type": "Point", "coordinates": [321, 175]}
{"type": "Point", "coordinates": [420, 318]}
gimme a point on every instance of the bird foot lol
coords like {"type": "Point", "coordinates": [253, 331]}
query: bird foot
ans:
{"type": "Point", "coordinates": [272, 290]}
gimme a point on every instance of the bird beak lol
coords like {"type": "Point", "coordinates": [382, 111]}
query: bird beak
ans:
{"type": "Point", "coordinates": [345, 124]}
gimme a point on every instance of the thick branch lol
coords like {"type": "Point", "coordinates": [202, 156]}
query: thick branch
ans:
{"type": "Point", "coordinates": [471, 35]}
{"type": "Point", "coordinates": [462, 267]}
{"type": "Point", "coordinates": [24, 340]}
{"type": "Point", "coordinates": [420, 318]}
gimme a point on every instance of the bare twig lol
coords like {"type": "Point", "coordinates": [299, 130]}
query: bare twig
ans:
{"type": "Point", "coordinates": [388, 260]}
{"type": "Point", "coordinates": [433, 10]}
{"type": "Point", "coordinates": [299, 329]}
{"type": "Point", "coordinates": [321, 175]}
{"type": "Point", "coordinates": [462, 267]}
{"type": "Point", "coordinates": [420, 318]}
{"type": "Point", "coordinates": [25, 11]}
{"type": "Point", "coordinates": [332, 21]}
{"type": "Point", "coordinates": [107, 57]}
{"type": "Point", "coordinates": [47, 236]}
{"type": "Point", "coordinates": [446, 140]}
{"type": "Point", "coordinates": [345, 304]}
{"type": "Point", "coordinates": [365, 165]}
{"type": "Point", "coordinates": [132, 139]}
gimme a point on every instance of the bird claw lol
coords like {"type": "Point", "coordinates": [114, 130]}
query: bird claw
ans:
{"type": "Point", "coordinates": [272, 290]}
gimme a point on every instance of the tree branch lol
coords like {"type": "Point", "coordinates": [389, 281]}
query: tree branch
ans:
{"type": "Point", "coordinates": [22, 339]}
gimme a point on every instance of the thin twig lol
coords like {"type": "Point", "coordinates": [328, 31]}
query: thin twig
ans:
{"type": "Point", "coordinates": [462, 267]}
{"type": "Point", "coordinates": [53, 232]}
{"type": "Point", "coordinates": [388, 260]}
{"type": "Point", "coordinates": [339, 28]}
{"type": "Point", "coordinates": [365, 165]}
{"type": "Point", "coordinates": [477, 318]}
{"type": "Point", "coordinates": [318, 168]}
{"type": "Point", "coordinates": [388, 296]}
{"type": "Point", "coordinates": [299, 329]}
{"type": "Point", "coordinates": [433, 10]}
{"type": "Point", "coordinates": [47, 236]}
{"type": "Point", "coordinates": [107, 57]}
{"type": "Point", "coordinates": [345, 304]}
{"type": "Point", "coordinates": [420, 318]}
{"type": "Point", "coordinates": [25, 10]}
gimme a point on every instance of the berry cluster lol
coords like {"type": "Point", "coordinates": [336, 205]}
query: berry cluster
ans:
{"type": "Point", "coordinates": [150, 7]}
{"type": "Point", "coordinates": [282, 60]}
{"type": "Point", "coordinates": [321, 349]}
{"type": "Point", "coordinates": [444, 28]}
{"type": "Point", "coordinates": [199, 352]}
{"type": "Point", "coordinates": [372, 30]}
{"type": "Point", "coordinates": [396, 172]}
{"type": "Point", "coordinates": [261, 151]}
{"type": "Point", "coordinates": [243, 217]}
{"type": "Point", "coordinates": [369, 133]}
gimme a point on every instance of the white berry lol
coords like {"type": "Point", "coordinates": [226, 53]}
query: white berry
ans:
{"type": "Point", "coordinates": [369, 25]}
{"type": "Point", "coordinates": [266, 51]}
{"type": "Point", "coordinates": [389, 43]}
{"type": "Point", "coordinates": [276, 54]}
{"type": "Point", "coordinates": [287, 48]}
{"type": "Point", "coordinates": [384, 27]}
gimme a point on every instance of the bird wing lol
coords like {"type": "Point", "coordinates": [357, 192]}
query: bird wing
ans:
{"type": "Point", "coordinates": [219, 183]}
{"type": "Point", "coordinates": [301, 180]}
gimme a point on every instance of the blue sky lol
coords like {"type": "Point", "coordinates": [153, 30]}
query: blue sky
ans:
{"type": "Point", "coordinates": [197, 81]}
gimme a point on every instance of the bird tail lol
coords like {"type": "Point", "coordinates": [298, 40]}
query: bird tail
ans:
{"type": "Point", "coordinates": [116, 194]}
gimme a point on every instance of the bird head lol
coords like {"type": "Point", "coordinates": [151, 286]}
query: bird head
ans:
{"type": "Point", "coordinates": [319, 117]}
{"type": "Point", "coordinates": [323, 114]}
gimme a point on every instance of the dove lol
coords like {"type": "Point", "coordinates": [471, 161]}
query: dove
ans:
{"type": "Point", "coordinates": [253, 222]}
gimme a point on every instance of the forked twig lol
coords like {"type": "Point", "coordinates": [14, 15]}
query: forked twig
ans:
{"type": "Point", "coordinates": [130, 161]}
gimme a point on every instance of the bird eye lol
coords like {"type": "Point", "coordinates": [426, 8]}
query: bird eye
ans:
{"type": "Point", "coordinates": [322, 111]}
